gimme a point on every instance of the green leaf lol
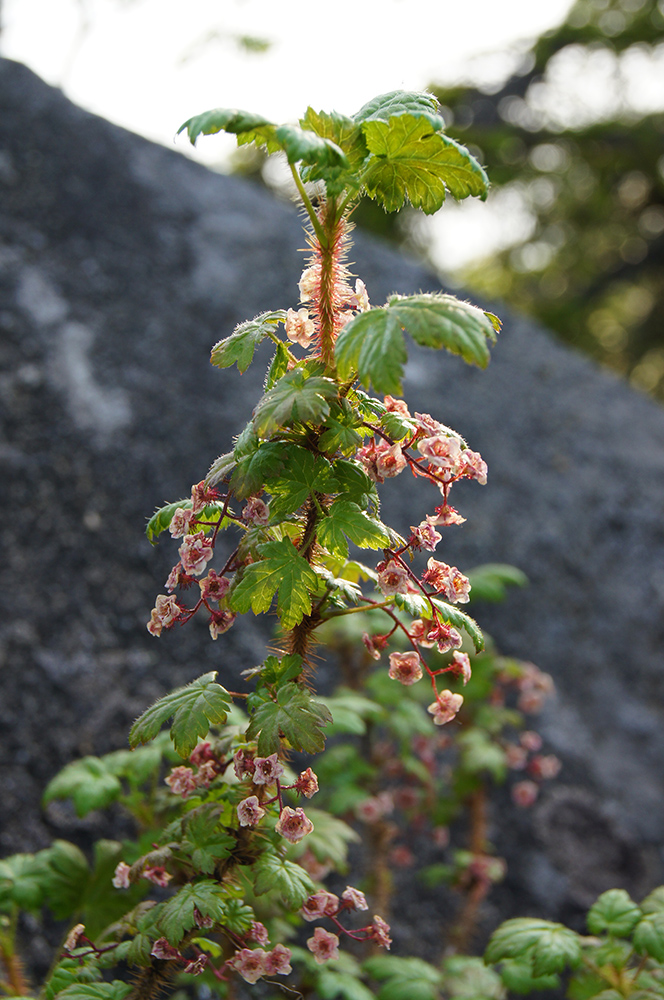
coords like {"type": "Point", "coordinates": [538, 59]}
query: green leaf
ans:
{"type": "Point", "coordinates": [177, 913]}
{"type": "Point", "coordinates": [351, 480]}
{"type": "Point", "coordinates": [161, 519]}
{"type": "Point", "coordinates": [329, 839]}
{"type": "Point", "coordinates": [613, 913]}
{"type": "Point", "coordinates": [102, 904]}
{"type": "Point", "coordinates": [220, 469]}
{"type": "Point", "coordinates": [418, 606]}
{"type": "Point", "coordinates": [490, 582]}
{"type": "Point", "coordinates": [238, 917]}
{"type": "Point", "coordinates": [22, 881]}
{"type": "Point", "coordinates": [274, 874]}
{"type": "Point", "coordinates": [193, 709]}
{"type": "Point", "coordinates": [278, 366]}
{"type": "Point", "coordinates": [240, 346]}
{"type": "Point", "coordinates": [556, 948]}
{"type": "Point", "coordinates": [253, 128]}
{"type": "Point", "coordinates": [371, 346]}
{"type": "Point", "coordinates": [88, 782]}
{"type": "Point", "coordinates": [518, 978]}
{"type": "Point", "coordinates": [116, 990]}
{"type": "Point", "coordinates": [654, 901]}
{"type": "Point", "coordinates": [140, 948]}
{"type": "Point", "coordinates": [330, 984]}
{"type": "Point", "coordinates": [304, 473]}
{"type": "Point", "coordinates": [204, 841]}
{"type": "Point", "coordinates": [295, 715]}
{"type": "Point", "coordinates": [411, 162]}
{"type": "Point", "coordinates": [348, 136]}
{"type": "Point", "coordinates": [66, 878]}
{"type": "Point", "coordinates": [281, 570]}
{"type": "Point", "coordinates": [296, 398]}
{"type": "Point", "coordinates": [401, 102]}
{"type": "Point", "coordinates": [346, 520]}
{"type": "Point", "coordinates": [548, 947]}
{"type": "Point", "coordinates": [470, 977]}
{"type": "Point", "coordinates": [263, 462]}
{"type": "Point", "coordinates": [649, 936]}
{"type": "Point", "coordinates": [306, 147]}
{"type": "Point", "coordinates": [350, 712]}
{"type": "Point", "coordinates": [480, 754]}
{"type": "Point", "coordinates": [406, 978]}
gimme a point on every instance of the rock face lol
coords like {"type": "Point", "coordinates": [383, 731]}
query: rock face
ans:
{"type": "Point", "coordinates": [121, 263]}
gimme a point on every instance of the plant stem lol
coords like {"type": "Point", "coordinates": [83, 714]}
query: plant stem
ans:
{"type": "Point", "coordinates": [309, 208]}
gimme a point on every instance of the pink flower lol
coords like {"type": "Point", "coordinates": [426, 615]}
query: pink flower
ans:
{"type": "Point", "coordinates": [201, 496]}
{"type": "Point", "coordinates": [427, 424]}
{"type": "Point", "coordinates": [531, 740]}
{"type": "Point", "coordinates": [373, 809]}
{"type": "Point", "coordinates": [374, 644]}
{"type": "Point", "coordinates": [293, 824]}
{"type": "Point", "coordinates": [441, 836]}
{"type": "Point", "coordinates": [445, 707]}
{"type": "Point", "coordinates": [354, 899]}
{"type": "Point", "coordinates": [309, 282]}
{"type": "Point", "coordinates": [535, 687]}
{"type": "Point", "coordinates": [277, 961]}
{"type": "Point", "coordinates": [243, 763]}
{"type": "Point", "coordinates": [220, 622]}
{"type": "Point", "coordinates": [473, 466]}
{"type": "Point", "coordinates": [213, 587]}
{"type": "Point", "coordinates": [267, 770]}
{"type": "Point", "coordinates": [74, 938]}
{"type": "Point", "coordinates": [424, 536]}
{"type": "Point", "coordinates": [516, 756]}
{"type": "Point", "coordinates": [402, 856]}
{"type": "Point", "coordinates": [323, 945]}
{"type": "Point", "coordinates": [461, 666]}
{"type": "Point", "coordinates": [320, 904]}
{"type": "Point", "coordinates": [180, 522]}
{"type": "Point", "coordinates": [157, 875]}
{"type": "Point", "coordinates": [195, 553]}
{"type": "Point", "coordinates": [446, 515]}
{"type": "Point", "coordinates": [524, 794]}
{"type": "Point", "coordinates": [307, 783]}
{"type": "Point", "coordinates": [164, 614]}
{"type": "Point", "coordinates": [196, 966]}
{"type": "Point", "coordinates": [250, 812]}
{"type": "Point", "coordinates": [202, 754]}
{"type": "Point", "coordinates": [443, 453]}
{"type": "Point", "coordinates": [389, 460]}
{"type": "Point", "coordinates": [249, 963]}
{"type": "Point", "coordinates": [258, 933]}
{"type": "Point", "coordinates": [405, 667]}
{"type": "Point", "coordinates": [448, 581]}
{"type": "Point", "coordinates": [299, 328]}
{"type": "Point", "coordinates": [392, 578]}
{"type": "Point", "coordinates": [360, 300]}
{"type": "Point", "coordinates": [121, 877]}
{"type": "Point", "coordinates": [165, 951]}
{"type": "Point", "coordinates": [379, 932]}
{"type": "Point", "coordinates": [393, 405]}
{"type": "Point", "coordinates": [544, 767]}
{"type": "Point", "coordinates": [207, 772]}
{"type": "Point", "coordinates": [256, 511]}
{"type": "Point", "coordinates": [182, 781]}
{"type": "Point", "coordinates": [174, 577]}
{"type": "Point", "coordinates": [419, 632]}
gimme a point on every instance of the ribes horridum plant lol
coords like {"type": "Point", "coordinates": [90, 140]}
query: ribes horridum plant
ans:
{"type": "Point", "coordinates": [228, 869]}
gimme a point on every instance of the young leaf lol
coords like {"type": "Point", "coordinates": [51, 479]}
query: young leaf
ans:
{"type": "Point", "coordinates": [263, 462]}
{"type": "Point", "coordinates": [613, 913]}
{"type": "Point", "coordinates": [410, 162]}
{"type": "Point", "coordinates": [278, 366]}
{"type": "Point", "coordinates": [295, 398]}
{"type": "Point", "coordinates": [89, 782]}
{"type": "Point", "coordinates": [346, 520]}
{"type": "Point", "coordinates": [193, 709]}
{"type": "Point", "coordinates": [247, 126]}
{"type": "Point", "coordinates": [295, 715]}
{"type": "Point", "coordinates": [240, 346]}
{"type": "Point", "coordinates": [220, 468]}
{"type": "Point", "coordinates": [308, 148]}
{"type": "Point", "coordinates": [648, 937]}
{"type": "Point", "coordinates": [282, 570]}
{"type": "Point", "coordinates": [273, 873]}
{"type": "Point", "coordinates": [401, 102]}
{"type": "Point", "coordinates": [161, 519]}
{"type": "Point", "coordinates": [177, 913]}
{"type": "Point", "coordinates": [303, 474]}
{"type": "Point", "coordinates": [343, 131]}
{"type": "Point", "coordinates": [203, 841]}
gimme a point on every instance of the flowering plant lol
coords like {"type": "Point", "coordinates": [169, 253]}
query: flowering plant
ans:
{"type": "Point", "coordinates": [230, 859]}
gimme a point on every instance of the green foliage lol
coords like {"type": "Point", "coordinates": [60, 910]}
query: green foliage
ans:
{"type": "Point", "coordinates": [176, 915]}
{"type": "Point", "coordinates": [205, 843]}
{"type": "Point", "coordinates": [240, 346]}
{"type": "Point", "coordinates": [345, 520]}
{"type": "Point", "coordinates": [282, 571]}
{"type": "Point", "coordinates": [614, 913]}
{"type": "Point", "coordinates": [274, 874]}
{"type": "Point", "coordinates": [404, 978]}
{"type": "Point", "coordinates": [298, 397]}
{"type": "Point", "coordinates": [490, 582]}
{"type": "Point", "coordinates": [88, 782]}
{"type": "Point", "coordinates": [372, 345]}
{"type": "Point", "coordinates": [193, 709]}
{"type": "Point", "coordinates": [546, 947]}
{"type": "Point", "coordinates": [294, 717]}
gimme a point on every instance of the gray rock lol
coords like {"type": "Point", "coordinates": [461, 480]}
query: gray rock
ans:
{"type": "Point", "coordinates": [120, 264]}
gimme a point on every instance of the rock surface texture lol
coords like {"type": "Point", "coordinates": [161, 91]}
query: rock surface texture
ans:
{"type": "Point", "coordinates": [121, 263]}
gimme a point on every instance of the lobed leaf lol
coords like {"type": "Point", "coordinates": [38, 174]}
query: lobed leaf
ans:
{"type": "Point", "coordinates": [65, 878]}
{"type": "Point", "coordinates": [518, 978]}
{"type": "Point", "coordinates": [411, 162]}
{"type": "Point", "coordinates": [306, 147]}
{"type": "Point", "coordinates": [177, 915]}
{"type": "Point", "coordinates": [240, 346]}
{"type": "Point", "coordinates": [272, 873]}
{"type": "Point", "coordinates": [89, 782]}
{"type": "Point", "coordinates": [295, 716]}
{"type": "Point", "coordinates": [648, 936]}
{"type": "Point", "coordinates": [296, 398]}
{"type": "Point", "coordinates": [244, 124]}
{"type": "Point", "coordinates": [401, 102]}
{"type": "Point", "coordinates": [345, 520]}
{"type": "Point", "coordinates": [303, 474]}
{"type": "Point", "coordinates": [283, 571]}
{"type": "Point", "coordinates": [193, 708]}
{"type": "Point", "coordinates": [116, 990]}
{"type": "Point", "coordinates": [614, 913]}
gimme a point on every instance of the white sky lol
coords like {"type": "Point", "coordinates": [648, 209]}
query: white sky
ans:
{"type": "Point", "coordinates": [144, 64]}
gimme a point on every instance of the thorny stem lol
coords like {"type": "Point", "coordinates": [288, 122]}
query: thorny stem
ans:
{"type": "Point", "coordinates": [309, 208]}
